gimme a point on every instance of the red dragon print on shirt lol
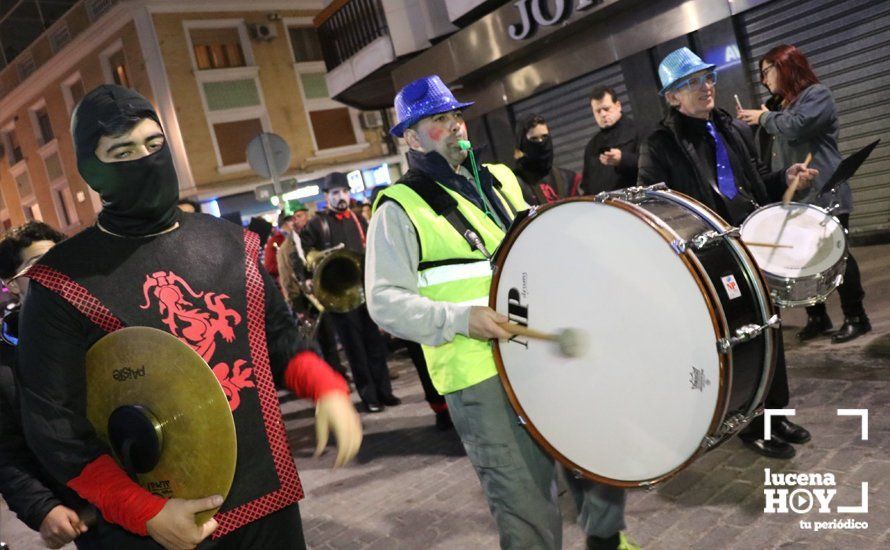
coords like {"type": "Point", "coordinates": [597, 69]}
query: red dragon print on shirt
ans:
{"type": "Point", "coordinates": [198, 326]}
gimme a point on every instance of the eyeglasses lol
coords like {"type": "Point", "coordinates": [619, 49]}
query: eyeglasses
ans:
{"type": "Point", "coordinates": [539, 139]}
{"type": "Point", "coordinates": [765, 70]}
{"type": "Point", "coordinates": [698, 82]}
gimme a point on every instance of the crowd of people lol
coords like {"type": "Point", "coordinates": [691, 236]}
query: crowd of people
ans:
{"type": "Point", "coordinates": [424, 287]}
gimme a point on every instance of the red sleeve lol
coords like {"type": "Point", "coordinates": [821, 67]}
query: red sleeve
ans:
{"type": "Point", "coordinates": [308, 375]}
{"type": "Point", "coordinates": [119, 498]}
{"type": "Point", "coordinates": [270, 254]}
{"type": "Point", "coordinates": [576, 186]}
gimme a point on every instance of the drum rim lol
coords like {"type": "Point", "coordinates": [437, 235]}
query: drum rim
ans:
{"type": "Point", "coordinates": [719, 325]}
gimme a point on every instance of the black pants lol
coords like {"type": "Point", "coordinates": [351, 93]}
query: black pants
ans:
{"type": "Point", "coordinates": [432, 396]}
{"type": "Point", "coordinates": [366, 351]}
{"type": "Point", "coordinates": [777, 395]}
{"type": "Point", "coordinates": [850, 291]}
{"type": "Point", "coordinates": [281, 530]}
{"type": "Point", "coordinates": [327, 339]}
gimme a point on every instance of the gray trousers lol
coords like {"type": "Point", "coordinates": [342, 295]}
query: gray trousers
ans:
{"type": "Point", "coordinates": [519, 479]}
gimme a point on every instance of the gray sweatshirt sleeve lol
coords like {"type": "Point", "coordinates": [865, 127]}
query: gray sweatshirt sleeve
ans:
{"type": "Point", "coordinates": [394, 302]}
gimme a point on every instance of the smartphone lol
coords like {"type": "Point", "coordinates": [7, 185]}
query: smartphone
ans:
{"type": "Point", "coordinates": [737, 102]}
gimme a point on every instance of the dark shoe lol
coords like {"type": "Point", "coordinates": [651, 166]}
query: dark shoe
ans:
{"type": "Point", "coordinates": [390, 400]}
{"type": "Point", "coordinates": [774, 448]}
{"type": "Point", "coordinates": [853, 327]}
{"type": "Point", "coordinates": [817, 325]}
{"type": "Point", "coordinates": [789, 431]}
{"type": "Point", "coordinates": [443, 421]}
{"type": "Point", "coordinates": [373, 407]}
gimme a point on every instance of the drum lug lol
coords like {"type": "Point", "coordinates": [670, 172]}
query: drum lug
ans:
{"type": "Point", "coordinates": [520, 420]}
{"type": "Point", "coordinates": [745, 333]}
{"type": "Point", "coordinates": [839, 280]}
{"type": "Point", "coordinates": [679, 246]}
{"type": "Point", "coordinates": [708, 238]}
{"type": "Point", "coordinates": [532, 211]}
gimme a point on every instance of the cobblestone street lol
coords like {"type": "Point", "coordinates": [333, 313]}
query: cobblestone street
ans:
{"type": "Point", "coordinates": [412, 486]}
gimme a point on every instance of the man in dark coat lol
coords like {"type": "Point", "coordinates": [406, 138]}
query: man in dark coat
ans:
{"type": "Point", "coordinates": [359, 334]}
{"type": "Point", "coordinates": [705, 153]}
{"type": "Point", "coordinates": [610, 158]}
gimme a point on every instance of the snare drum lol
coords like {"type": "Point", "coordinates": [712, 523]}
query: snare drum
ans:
{"type": "Point", "coordinates": [810, 254]}
{"type": "Point", "coordinates": [677, 318]}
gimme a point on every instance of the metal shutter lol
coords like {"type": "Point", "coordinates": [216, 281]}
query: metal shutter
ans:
{"type": "Point", "coordinates": [848, 44]}
{"type": "Point", "coordinates": [566, 108]}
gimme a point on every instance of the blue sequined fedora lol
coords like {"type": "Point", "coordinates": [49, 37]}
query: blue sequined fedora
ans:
{"type": "Point", "coordinates": [424, 97]}
{"type": "Point", "coordinates": [678, 65]}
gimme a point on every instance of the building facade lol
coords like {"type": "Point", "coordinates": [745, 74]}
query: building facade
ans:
{"type": "Point", "coordinates": [219, 73]}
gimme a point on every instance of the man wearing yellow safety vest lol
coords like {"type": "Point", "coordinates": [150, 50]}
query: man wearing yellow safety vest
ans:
{"type": "Point", "coordinates": [427, 279]}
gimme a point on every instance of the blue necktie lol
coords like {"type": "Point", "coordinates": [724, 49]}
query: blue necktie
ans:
{"type": "Point", "coordinates": [725, 179]}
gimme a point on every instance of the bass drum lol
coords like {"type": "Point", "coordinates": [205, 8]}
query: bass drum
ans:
{"type": "Point", "coordinates": [677, 322]}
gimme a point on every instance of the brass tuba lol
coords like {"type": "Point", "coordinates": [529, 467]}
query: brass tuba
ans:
{"type": "Point", "coordinates": [338, 281]}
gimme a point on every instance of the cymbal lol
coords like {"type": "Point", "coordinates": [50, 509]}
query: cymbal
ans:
{"type": "Point", "coordinates": [160, 408]}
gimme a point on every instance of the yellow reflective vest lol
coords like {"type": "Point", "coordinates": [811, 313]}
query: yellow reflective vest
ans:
{"type": "Point", "coordinates": [450, 271]}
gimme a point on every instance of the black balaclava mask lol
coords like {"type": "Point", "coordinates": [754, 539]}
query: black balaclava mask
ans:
{"type": "Point", "coordinates": [139, 196]}
{"type": "Point", "coordinates": [537, 157]}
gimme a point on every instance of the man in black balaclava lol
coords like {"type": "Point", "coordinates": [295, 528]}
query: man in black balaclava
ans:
{"type": "Point", "coordinates": [541, 181]}
{"type": "Point", "coordinates": [145, 263]}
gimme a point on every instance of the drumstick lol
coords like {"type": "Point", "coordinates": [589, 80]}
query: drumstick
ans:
{"type": "Point", "coordinates": [768, 245]}
{"type": "Point", "coordinates": [571, 342]}
{"type": "Point", "coordinates": [789, 193]}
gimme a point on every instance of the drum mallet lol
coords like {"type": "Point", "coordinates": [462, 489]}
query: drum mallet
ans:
{"type": "Point", "coordinates": [572, 342]}
{"type": "Point", "coordinates": [789, 193]}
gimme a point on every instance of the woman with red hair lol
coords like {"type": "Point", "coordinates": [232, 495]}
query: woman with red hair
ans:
{"type": "Point", "coordinates": [806, 122]}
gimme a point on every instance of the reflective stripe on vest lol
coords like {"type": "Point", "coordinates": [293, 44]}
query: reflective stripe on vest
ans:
{"type": "Point", "coordinates": [464, 361]}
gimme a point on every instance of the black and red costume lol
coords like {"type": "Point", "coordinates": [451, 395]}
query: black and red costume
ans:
{"type": "Point", "coordinates": [201, 281]}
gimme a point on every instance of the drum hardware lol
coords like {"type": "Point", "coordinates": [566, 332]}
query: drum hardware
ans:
{"type": "Point", "coordinates": [474, 240]}
{"type": "Point", "coordinates": [729, 426]}
{"type": "Point", "coordinates": [745, 333]}
{"type": "Point", "coordinates": [571, 342]}
{"type": "Point", "coordinates": [703, 240]}
{"type": "Point", "coordinates": [831, 209]}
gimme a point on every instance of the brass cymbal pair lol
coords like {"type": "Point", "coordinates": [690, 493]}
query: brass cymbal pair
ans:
{"type": "Point", "coordinates": [162, 411]}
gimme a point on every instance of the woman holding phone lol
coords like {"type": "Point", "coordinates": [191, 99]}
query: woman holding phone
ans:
{"type": "Point", "coordinates": [806, 122]}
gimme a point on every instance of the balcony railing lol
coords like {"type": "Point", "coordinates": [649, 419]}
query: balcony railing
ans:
{"type": "Point", "coordinates": [347, 26]}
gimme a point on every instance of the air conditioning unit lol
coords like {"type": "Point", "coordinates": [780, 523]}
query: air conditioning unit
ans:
{"type": "Point", "coordinates": [371, 119]}
{"type": "Point", "coordinates": [262, 31]}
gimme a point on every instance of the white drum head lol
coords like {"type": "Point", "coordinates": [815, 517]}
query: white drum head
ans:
{"type": "Point", "coordinates": [636, 405]}
{"type": "Point", "coordinates": [811, 241]}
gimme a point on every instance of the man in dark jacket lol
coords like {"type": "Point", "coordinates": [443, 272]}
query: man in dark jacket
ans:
{"type": "Point", "coordinates": [610, 158]}
{"type": "Point", "coordinates": [541, 182]}
{"type": "Point", "coordinates": [360, 336]}
{"type": "Point", "coordinates": [707, 154]}
{"type": "Point", "coordinates": [30, 492]}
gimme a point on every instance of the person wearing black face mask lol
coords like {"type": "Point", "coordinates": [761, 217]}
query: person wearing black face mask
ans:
{"type": "Point", "coordinates": [542, 183]}
{"type": "Point", "coordinates": [145, 263]}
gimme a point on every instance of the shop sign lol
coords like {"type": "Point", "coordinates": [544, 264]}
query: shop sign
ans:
{"type": "Point", "coordinates": [544, 13]}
